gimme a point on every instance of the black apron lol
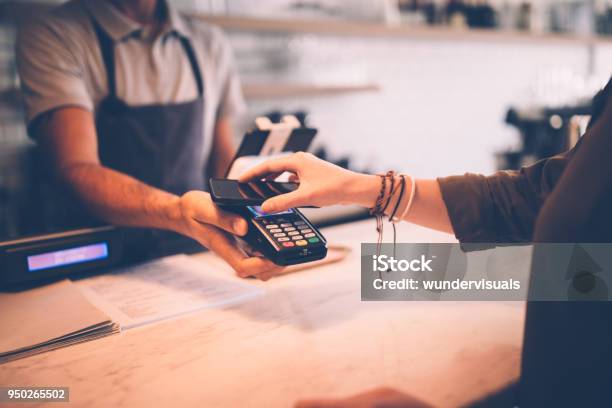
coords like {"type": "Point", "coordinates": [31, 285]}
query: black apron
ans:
{"type": "Point", "coordinates": [160, 145]}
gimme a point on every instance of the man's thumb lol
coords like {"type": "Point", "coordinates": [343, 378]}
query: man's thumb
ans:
{"type": "Point", "coordinates": [230, 222]}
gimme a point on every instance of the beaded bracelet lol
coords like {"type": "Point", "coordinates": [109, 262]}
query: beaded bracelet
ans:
{"type": "Point", "coordinates": [379, 210]}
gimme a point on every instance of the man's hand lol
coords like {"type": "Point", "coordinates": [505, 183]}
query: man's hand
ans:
{"type": "Point", "coordinates": [203, 221]}
{"type": "Point", "coordinates": [377, 398]}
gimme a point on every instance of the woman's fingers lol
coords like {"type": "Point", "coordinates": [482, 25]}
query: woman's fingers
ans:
{"type": "Point", "coordinates": [284, 202]}
{"type": "Point", "coordinates": [316, 180]}
{"type": "Point", "coordinates": [271, 166]}
{"type": "Point", "coordinates": [272, 176]}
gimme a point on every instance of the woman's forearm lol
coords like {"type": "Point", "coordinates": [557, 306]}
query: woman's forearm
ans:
{"type": "Point", "coordinates": [427, 207]}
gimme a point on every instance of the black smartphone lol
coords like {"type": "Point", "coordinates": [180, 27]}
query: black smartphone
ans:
{"type": "Point", "coordinates": [229, 192]}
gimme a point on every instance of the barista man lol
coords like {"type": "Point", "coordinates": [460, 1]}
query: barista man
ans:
{"type": "Point", "coordinates": [132, 102]}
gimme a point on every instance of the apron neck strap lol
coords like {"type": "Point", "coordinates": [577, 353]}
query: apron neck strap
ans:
{"type": "Point", "coordinates": [193, 60]}
{"type": "Point", "coordinates": [107, 48]}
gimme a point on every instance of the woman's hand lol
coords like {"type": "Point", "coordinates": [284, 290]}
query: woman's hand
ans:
{"type": "Point", "coordinates": [321, 183]}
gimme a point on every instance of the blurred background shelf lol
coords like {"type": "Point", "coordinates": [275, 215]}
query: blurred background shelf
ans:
{"type": "Point", "coordinates": [366, 29]}
{"type": "Point", "coordinates": [17, 10]}
{"type": "Point", "coordinates": [273, 90]}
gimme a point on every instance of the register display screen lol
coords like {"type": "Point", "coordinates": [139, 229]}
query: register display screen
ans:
{"type": "Point", "coordinates": [66, 257]}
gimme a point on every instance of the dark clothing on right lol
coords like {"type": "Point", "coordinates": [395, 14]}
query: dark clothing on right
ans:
{"type": "Point", "coordinates": [567, 349]}
{"type": "Point", "coordinates": [567, 352]}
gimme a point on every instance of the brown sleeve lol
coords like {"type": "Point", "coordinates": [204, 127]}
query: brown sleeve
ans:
{"type": "Point", "coordinates": [503, 207]}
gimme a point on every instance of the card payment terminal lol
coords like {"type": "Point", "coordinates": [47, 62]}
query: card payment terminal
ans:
{"type": "Point", "coordinates": [285, 238]}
